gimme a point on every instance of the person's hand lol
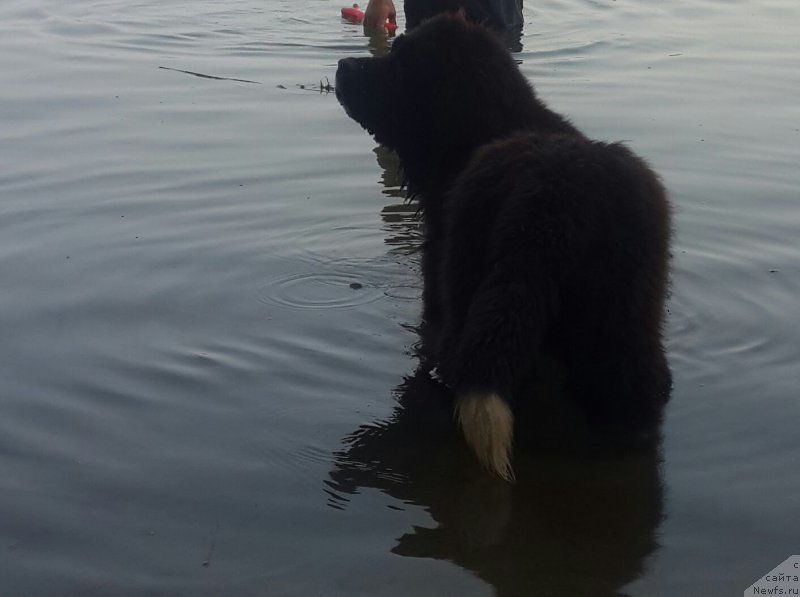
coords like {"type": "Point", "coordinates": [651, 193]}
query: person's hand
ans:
{"type": "Point", "coordinates": [376, 15]}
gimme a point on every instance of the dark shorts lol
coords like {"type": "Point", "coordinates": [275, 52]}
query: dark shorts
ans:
{"type": "Point", "coordinates": [497, 14]}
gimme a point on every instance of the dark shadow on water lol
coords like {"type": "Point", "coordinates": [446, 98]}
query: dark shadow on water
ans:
{"type": "Point", "coordinates": [578, 521]}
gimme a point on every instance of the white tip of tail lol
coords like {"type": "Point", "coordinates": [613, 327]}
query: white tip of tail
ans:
{"type": "Point", "coordinates": [488, 426]}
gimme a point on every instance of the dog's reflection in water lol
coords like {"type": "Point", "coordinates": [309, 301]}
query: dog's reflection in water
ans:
{"type": "Point", "coordinates": [580, 520]}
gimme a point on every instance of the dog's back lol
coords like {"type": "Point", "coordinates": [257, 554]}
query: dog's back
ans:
{"type": "Point", "coordinates": [555, 245]}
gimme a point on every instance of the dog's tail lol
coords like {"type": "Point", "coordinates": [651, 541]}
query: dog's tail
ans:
{"type": "Point", "coordinates": [488, 426]}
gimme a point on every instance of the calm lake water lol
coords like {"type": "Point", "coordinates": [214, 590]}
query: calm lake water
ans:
{"type": "Point", "coordinates": [210, 290]}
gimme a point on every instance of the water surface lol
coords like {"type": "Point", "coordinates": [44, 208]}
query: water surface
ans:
{"type": "Point", "coordinates": [210, 293]}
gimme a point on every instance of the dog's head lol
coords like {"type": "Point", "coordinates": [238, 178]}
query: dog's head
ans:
{"type": "Point", "coordinates": [444, 89]}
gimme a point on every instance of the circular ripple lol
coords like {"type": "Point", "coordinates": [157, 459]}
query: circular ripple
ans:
{"type": "Point", "coordinates": [319, 291]}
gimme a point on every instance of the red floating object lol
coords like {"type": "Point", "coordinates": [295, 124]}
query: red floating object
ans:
{"type": "Point", "coordinates": [353, 14]}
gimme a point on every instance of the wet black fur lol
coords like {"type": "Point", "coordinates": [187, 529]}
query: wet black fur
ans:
{"type": "Point", "coordinates": [542, 246]}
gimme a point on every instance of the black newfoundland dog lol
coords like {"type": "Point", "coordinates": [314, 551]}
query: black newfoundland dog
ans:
{"type": "Point", "coordinates": [542, 246]}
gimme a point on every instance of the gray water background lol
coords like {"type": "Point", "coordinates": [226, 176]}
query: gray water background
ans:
{"type": "Point", "coordinates": [208, 293]}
